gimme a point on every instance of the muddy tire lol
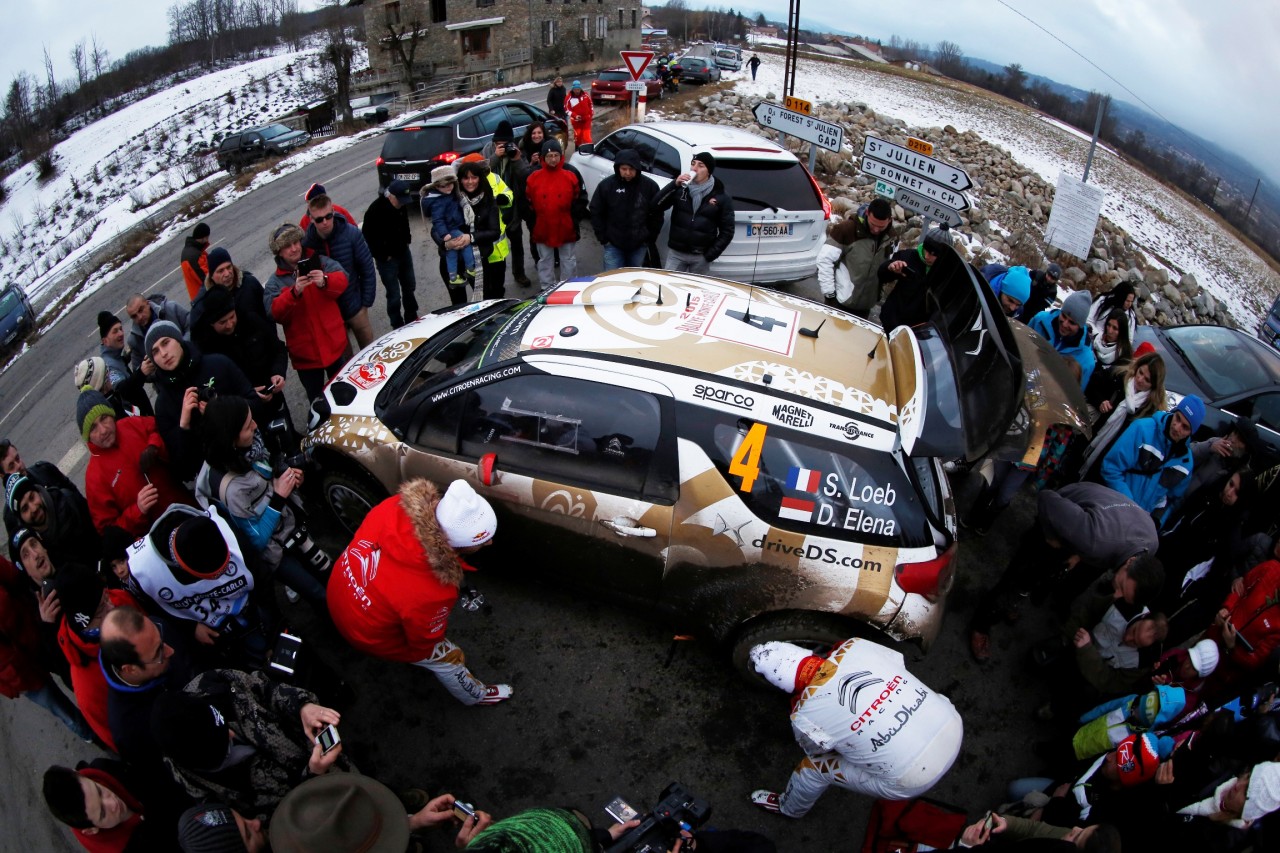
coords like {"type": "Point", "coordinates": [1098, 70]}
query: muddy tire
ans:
{"type": "Point", "coordinates": [349, 493]}
{"type": "Point", "coordinates": [816, 631]}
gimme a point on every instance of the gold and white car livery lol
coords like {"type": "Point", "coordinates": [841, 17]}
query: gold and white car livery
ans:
{"type": "Point", "coordinates": [749, 464]}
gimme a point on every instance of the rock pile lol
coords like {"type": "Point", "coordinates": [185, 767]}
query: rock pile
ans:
{"type": "Point", "coordinates": [1010, 207]}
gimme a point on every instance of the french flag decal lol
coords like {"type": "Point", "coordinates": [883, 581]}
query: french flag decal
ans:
{"type": "Point", "coordinates": [796, 509]}
{"type": "Point", "coordinates": [804, 480]}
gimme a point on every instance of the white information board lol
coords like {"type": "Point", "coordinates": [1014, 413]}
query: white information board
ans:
{"type": "Point", "coordinates": [1074, 218]}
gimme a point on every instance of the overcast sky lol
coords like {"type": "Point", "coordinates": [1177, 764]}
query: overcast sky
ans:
{"type": "Point", "coordinates": [1213, 68]}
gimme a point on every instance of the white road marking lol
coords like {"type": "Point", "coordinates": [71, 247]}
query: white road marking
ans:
{"type": "Point", "coordinates": [34, 386]}
{"type": "Point", "coordinates": [72, 457]}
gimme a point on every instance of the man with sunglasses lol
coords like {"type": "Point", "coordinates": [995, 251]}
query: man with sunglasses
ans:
{"type": "Point", "coordinates": [331, 235]}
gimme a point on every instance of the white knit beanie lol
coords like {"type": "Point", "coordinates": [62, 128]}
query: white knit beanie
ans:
{"type": "Point", "coordinates": [778, 663]}
{"type": "Point", "coordinates": [1263, 797]}
{"type": "Point", "coordinates": [465, 517]}
{"type": "Point", "coordinates": [1204, 657]}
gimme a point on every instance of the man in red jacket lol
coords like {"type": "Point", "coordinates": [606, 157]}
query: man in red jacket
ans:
{"type": "Point", "coordinates": [1248, 626]}
{"type": "Point", "coordinates": [550, 192]}
{"type": "Point", "coordinates": [85, 601]}
{"type": "Point", "coordinates": [391, 591]}
{"type": "Point", "coordinates": [21, 672]}
{"type": "Point", "coordinates": [127, 481]}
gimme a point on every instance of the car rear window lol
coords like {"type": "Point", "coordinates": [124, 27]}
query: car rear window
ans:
{"type": "Point", "coordinates": [613, 76]}
{"type": "Point", "coordinates": [823, 488]}
{"type": "Point", "coordinates": [761, 184]}
{"type": "Point", "coordinates": [418, 144]}
{"type": "Point", "coordinates": [1226, 360]}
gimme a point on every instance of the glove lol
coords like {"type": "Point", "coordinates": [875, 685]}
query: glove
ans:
{"type": "Point", "coordinates": [832, 302]}
{"type": "Point", "coordinates": [149, 458]}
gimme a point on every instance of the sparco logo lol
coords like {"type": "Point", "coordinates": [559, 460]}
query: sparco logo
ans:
{"type": "Point", "coordinates": [792, 415]}
{"type": "Point", "coordinates": [724, 395]}
{"type": "Point", "coordinates": [851, 431]}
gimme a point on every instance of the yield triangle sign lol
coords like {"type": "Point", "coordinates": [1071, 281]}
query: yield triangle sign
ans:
{"type": "Point", "coordinates": [636, 61]}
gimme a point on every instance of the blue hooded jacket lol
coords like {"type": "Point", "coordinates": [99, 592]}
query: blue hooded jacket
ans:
{"type": "Point", "coordinates": [1078, 350]}
{"type": "Point", "coordinates": [1144, 466]}
{"type": "Point", "coordinates": [346, 245]}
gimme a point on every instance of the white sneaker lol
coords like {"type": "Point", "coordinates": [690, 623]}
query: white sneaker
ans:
{"type": "Point", "coordinates": [767, 800]}
{"type": "Point", "coordinates": [495, 693]}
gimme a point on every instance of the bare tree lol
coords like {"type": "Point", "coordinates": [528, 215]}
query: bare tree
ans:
{"type": "Point", "coordinates": [339, 52]}
{"type": "Point", "coordinates": [51, 82]}
{"type": "Point", "coordinates": [80, 62]}
{"type": "Point", "coordinates": [1015, 81]}
{"type": "Point", "coordinates": [949, 58]}
{"type": "Point", "coordinates": [403, 40]}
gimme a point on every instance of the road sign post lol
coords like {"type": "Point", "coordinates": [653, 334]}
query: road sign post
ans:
{"type": "Point", "coordinates": [813, 130]}
{"type": "Point", "coordinates": [636, 61]}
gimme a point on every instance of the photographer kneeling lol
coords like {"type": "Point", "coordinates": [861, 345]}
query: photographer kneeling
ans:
{"type": "Point", "coordinates": [238, 476]}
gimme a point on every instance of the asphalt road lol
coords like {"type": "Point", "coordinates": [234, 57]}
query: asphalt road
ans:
{"type": "Point", "coordinates": [605, 702]}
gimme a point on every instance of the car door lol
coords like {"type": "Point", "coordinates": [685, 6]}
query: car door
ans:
{"type": "Point", "coordinates": [1264, 410]}
{"type": "Point", "coordinates": [598, 165]}
{"type": "Point", "coordinates": [581, 473]}
{"type": "Point", "coordinates": [251, 146]}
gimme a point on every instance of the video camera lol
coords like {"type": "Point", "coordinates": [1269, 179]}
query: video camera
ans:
{"type": "Point", "coordinates": [659, 830]}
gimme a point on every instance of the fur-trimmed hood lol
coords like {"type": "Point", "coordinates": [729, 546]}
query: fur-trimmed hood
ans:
{"type": "Point", "coordinates": [419, 499]}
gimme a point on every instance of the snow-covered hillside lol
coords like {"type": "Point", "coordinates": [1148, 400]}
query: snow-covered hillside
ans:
{"type": "Point", "coordinates": [112, 173]}
{"type": "Point", "coordinates": [1171, 230]}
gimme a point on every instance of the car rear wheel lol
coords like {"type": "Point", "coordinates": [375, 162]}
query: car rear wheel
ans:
{"type": "Point", "coordinates": [350, 494]}
{"type": "Point", "coordinates": [816, 631]}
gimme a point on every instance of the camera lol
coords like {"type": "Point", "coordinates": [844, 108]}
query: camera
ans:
{"type": "Point", "coordinates": [658, 832]}
{"type": "Point", "coordinates": [305, 549]}
{"type": "Point", "coordinates": [463, 811]}
{"type": "Point", "coordinates": [300, 460]}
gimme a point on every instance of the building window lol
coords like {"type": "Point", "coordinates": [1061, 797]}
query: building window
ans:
{"type": "Point", "coordinates": [586, 27]}
{"type": "Point", "coordinates": [548, 33]}
{"type": "Point", "coordinates": [475, 42]}
{"type": "Point", "coordinates": [484, 2]}
{"type": "Point", "coordinates": [602, 26]}
{"type": "Point", "coordinates": [634, 23]}
{"type": "Point", "coordinates": [621, 25]}
{"type": "Point", "coordinates": [392, 12]}
{"type": "Point", "coordinates": [439, 14]}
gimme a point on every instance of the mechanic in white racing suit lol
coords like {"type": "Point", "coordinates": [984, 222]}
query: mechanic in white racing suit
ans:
{"type": "Point", "coordinates": [864, 722]}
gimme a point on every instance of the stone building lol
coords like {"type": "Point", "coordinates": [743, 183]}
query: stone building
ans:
{"type": "Point", "coordinates": [500, 40]}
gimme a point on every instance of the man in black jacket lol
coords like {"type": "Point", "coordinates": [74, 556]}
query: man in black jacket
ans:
{"type": "Point", "coordinates": [621, 213]}
{"type": "Point", "coordinates": [386, 230]}
{"type": "Point", "coordinates": [701, 217]}
{"type": "Point", "coordinates": [42, 474]}
{"type": "Point", "coordinates": [1044, 290]}
{"type": "Point", "coordinates": [251, 343]}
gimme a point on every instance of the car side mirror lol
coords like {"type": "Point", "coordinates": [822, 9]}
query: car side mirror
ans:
{"type": "Point", "coordinates": [487, 470]}
{"type": "Point", "coordinates": [587, 148]}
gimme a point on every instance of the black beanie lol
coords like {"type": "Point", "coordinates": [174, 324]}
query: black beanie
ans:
{"type": "Point", "coordinates": [198, 547]}
{"type": "Point", "coordinates": [201, 231]}
{"type": "Point", "coordinates": [190, 731]}
{"type": "Point", "coordinates": [504, 133]}
{"type": "Point", "coordinates": [115, 546]}
{"type": "Point", "coordinates": [218, 303]}
{"type": "Point", "coordinates": [209, 828]}
{"type": "Point", "coordinates": [106, 322]}
{"type": "Point", "coordinates": [552, 144]}
{"type": "Point", "coordinates": [79, 593]}
{"type": "Point", "coordinates": [706, 159]}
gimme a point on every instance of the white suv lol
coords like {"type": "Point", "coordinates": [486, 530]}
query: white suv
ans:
{"type": "Point", "coordinates": [781, 212]}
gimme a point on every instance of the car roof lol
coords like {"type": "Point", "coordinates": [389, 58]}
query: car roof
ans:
{"type": "Point", "coordinates": [715, 328]}
{"type": "Point", "coordinates": [719, 140]}
{"type": "Point", "coordinates": [448, 113]}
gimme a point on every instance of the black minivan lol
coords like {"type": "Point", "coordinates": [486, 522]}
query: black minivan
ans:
{"type": "Point", "coordinates": [440, 135]}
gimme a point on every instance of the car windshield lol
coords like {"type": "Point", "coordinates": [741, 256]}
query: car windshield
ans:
{"type": "Point", "coordinates": [613, 76]}
{"type": "Point", "coordinates": [419, 143]}
{"type": "Point", "coordinates": [1225, 360]}
{"type": "Point", "coordinates": [763, 184]}
{"type": "Point", "coordinates": [9, 303]}
{"type": "Point", "coordinates": [271, 131]}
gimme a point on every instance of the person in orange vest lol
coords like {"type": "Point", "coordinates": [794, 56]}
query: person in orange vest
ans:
{"type": "Point", "coordinates": [195, 263]}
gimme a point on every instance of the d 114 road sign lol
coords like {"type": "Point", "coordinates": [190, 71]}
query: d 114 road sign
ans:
{"type": "Point", "coordinates": [926, 208]}
{"type": "Point", "coordinates": [911, 181]}
{"type": "Point", "coordinates": [821, 133]}
{"type": "Point", "coordinates": [951, 177]}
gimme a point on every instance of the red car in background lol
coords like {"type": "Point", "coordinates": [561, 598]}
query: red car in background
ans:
{"type": "Point", "coordinates": [610, 87]}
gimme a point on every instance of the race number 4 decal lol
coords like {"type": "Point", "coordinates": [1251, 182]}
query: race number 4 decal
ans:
{"type": "Point", "coordinates": [746, 459]}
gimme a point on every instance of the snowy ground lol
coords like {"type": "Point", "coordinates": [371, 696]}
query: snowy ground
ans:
{"type": "Point", "coordinates": [1160, 221]}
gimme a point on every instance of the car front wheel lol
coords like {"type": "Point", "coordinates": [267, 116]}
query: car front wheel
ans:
{"type": "Point", "coordinates": [818, 632]}
{"type": "Point", "coordinates": [349, 495]}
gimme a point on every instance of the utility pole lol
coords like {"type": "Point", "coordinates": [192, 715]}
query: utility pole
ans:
{"type": "Point", "coordinates": [1097, 127]}
{"type": "Point", "coordinates": [1251, 198]}
{"type": "Point", "coordinates": [793, 48]}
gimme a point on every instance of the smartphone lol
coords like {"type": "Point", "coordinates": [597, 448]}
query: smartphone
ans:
{"type": "Point", "coordinates": [285, 657]}
{"type": "Point", "coordinates": [463, 811]}
{"type": "Point", "coordinates": [620, 810]}
{"type": "Point", "coordinates": [46, 587]}
{"type": "Point", "coordinates": [328, 738]}
{"type": "Point", "coordinates": [989, 822]}
{"type": "Point", "coordinates": [306, 265]}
